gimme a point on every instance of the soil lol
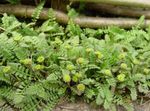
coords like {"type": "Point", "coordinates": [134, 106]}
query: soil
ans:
{"type": "Point", "coordinates": [81, 106]}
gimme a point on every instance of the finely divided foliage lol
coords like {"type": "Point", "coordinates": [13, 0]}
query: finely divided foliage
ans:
{"type": "Point", "coordinates": [40, 65]}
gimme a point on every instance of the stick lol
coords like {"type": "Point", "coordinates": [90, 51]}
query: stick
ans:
{"type": "Point", "coordinates": [129, 3]}
{"type": "Point", "coordinates": [83, 21]}
{"type": "Point", "coordinates": [118, 10]}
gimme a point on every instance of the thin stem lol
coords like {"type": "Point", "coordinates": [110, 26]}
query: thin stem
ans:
{"type": "Point", "coordinates": [2, 29]}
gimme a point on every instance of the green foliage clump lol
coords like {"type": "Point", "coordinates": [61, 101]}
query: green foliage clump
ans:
{"type": "Point", "coordinates": [13, 1]}
{"type": "Point", "coordinates": [39, 65]}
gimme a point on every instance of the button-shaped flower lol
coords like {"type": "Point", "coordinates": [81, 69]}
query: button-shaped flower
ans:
{"type": "Point", "coordinates": [123, 66]}
{"type": "Point", "coordinates": [107, 72]}
{"type": "Point", "coordinates": [66, 78]}
{"type": "Point", "coordinates": [81, 87]}
{"type": "Point", "coordinates": [70, 67]}
{"type": "Point", "coordinates": [121, 77]}
{"type": "Point", "coordinates": [40, 59]}
{"type": "Point", "coordinates": [122, 56]}
{"type": "Point", "coordinates": [38, 67]}
{"type": "Point", "coordinates": [6, 69]}
{"type": "Point", "coordinates": [99, 54]}
{"type": "Point", "coordinates": [80, 60]}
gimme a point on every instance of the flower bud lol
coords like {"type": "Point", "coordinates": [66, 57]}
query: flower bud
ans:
{"type": "Point", "coordinates": [70, 67]}
{"type": "Point", "coordinates": [66, 78]}
{"type": "Point", "coordinates": [107, 72]}
{"type": "Point", "coordinates": [6, 69]}
{"type": "Point", "coordinates": [39, 67]}
{"type": "Point", "coordinates": [80, 60]}
{"type": "Point", "coordinates": [123, 66]}
{"type": "Point", "coordinates": [121, 77]}
{"type": "Point", "coordinates": [81, 87]}
{"type": "Point", "coordinates": [40, 59]}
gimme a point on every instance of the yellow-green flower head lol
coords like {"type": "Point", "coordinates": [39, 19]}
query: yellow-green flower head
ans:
{"type": "Point", "coordinates": [146, 71]}
{"type": "Point", "coordinates": [88, 50]}
{"type": "Point", "coordinates": [121, 77]}
{"type": "Point", "coordinates": [80, 60]}
{"type": "Point", "coordinates": [40, 59]}
{"type": "Point", "coordinates": [6, 69]}
{"type": "Point", "coordinates": [68, 46]}
{"type": "Point", "coordinates": [38, 67]}
{"type": "Point", "coordinates": [26, 61]}
{"type": "Point", "coordinates": [58, 41]}
{"type": "Point", "coordinates": [136, 62]}
{"type": "Point", "coordinates": [75, 78]}
{"type": "Point", "coordinates": [78, 75]}
{"type": "Point", "coordinates": [70, 67]}
{"type": "Point", "coordinates": [122, 56]}
{"type": "Point", "coordinates": [66, 78]}
{"type": "Point", "coordinates": [99, 54]}
{"type": "Point", "coordinates": [124, 66]}
{"type": "Point", "coordinates": [17, 38]}
{"type": "Point", "coordinates": [81, 87]}
{"type": "Point", "coordinates": [107, 72]}
{"type": "Point", "coordinates": [141, 58]}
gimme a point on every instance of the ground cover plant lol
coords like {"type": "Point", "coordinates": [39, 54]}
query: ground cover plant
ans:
{"type": "Point", "coordinates": [40, 65]}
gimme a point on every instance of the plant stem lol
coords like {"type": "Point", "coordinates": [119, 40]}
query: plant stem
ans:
{"type": "Point", "coordinates": [129, 3]}
{"type": "Point", "coordinates": [83, 21]}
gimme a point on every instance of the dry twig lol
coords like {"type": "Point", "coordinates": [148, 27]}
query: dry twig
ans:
{"type": "Point", "coordinates": [83, 21]}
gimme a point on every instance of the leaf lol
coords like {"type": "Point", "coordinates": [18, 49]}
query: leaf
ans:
{"type": "Point", "coordinates": [93, 66]}
{"type": "Point", "coordinates": [141, 21]}
{"type": "Point", "coordinates": [4, 79]}
{"type": "Point", "coordinates": [52, 78]}
{"type": "Point", "coordinates": [106, 104]}
{"type": "Point", "coordinates": [49, 26]}
{"type": "Point", "coordinates": [128, 106]}
{"type": "Point", "coordinates": [21, 53]}
{"type": "Point", "coordinates": [113, 107]}
{"type": "Point", "coordinates": [111, 82]}
{"type": "Point", "coordinates": [88, 81]}
{"type": "Point", "coordinates": [18, 98]}
{"type": "Point", "coordinates": [89, 93]}
{"type": "Point", "coordinates": [139, 77]}
{"type": "Point", "coordinates": [99, 99]}
{"type": "Point", "coordinates": [13, 1]}
{"type": "Point", "coordinates": [10, 22]}
{"type": "Point", "coordinates": [36, 90]}
{"type": "Point", "coordinates": [143, 88]}
{"type": "Point", "coordinates": [72, 13]}
{"type": "Point", "coordinates": [37, 11]}
{"type": "Point", "coordinates": [133, 93]}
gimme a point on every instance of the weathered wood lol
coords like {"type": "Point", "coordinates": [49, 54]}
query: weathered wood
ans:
{"type": "Point", "coordinates": [59, 4]}
{"type": "Point", "coordinates": [83, 21]}
{"type": "Point", "coordinates": [118, 10]}
{"type": "Point", "coordinates": [129, 3]}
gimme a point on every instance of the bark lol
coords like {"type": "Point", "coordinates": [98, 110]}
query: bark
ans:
{"type": "Point", "coordinates": [83, 21]}
{"type": "Point", "coordinates": [118, 10]}
{"type": "Point", "coordinates": [59, 4]}
{"type": "Point", "coordinates": [129, 3]}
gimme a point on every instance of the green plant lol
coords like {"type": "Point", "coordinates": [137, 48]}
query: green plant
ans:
{"type": "Point", "coordinates": [13, 1]}
{"type": "Point", "coordinates": [39, 65]}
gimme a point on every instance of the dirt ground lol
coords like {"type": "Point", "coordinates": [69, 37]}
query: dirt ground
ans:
{"type": "Point", "coordinates": [80, 106]}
